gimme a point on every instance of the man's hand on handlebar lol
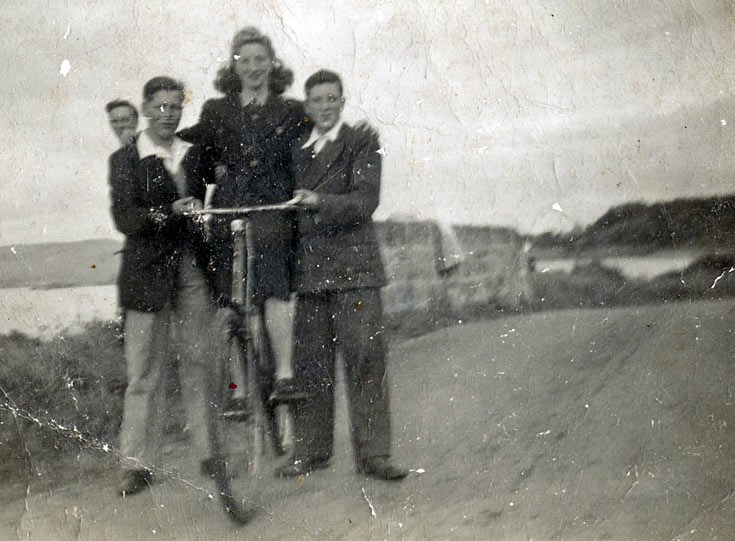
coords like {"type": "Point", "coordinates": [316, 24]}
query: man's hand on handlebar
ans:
{"type": "Point", "coordinates": [220, 172]}
{"type": "Point", "coordinates": [186, 204]}
{"type": "Point", "coordinates": [306, 199]}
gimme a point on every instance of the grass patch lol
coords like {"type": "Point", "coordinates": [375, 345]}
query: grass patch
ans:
{"type": "Point", "coordinates": [58, 397]}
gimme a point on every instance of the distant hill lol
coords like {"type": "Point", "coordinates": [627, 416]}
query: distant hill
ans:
{"type": "Point", "coordinates": [637, 227]}
{"type": "Point", "coordinates": [82, 263]}
{"type": "Point", "coordinates": [93, 262]}
{"type": "Point", "coordinates": [697, 223]}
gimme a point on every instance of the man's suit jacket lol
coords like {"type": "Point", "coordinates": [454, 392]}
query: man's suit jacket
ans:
{"type": "Point", "coordinates": [142, 193]}
{"type": "Point", "coordinates": [337, 247]}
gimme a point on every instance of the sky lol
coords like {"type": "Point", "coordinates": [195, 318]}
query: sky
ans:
{"type": "Point", "coordinates": [531, 114]}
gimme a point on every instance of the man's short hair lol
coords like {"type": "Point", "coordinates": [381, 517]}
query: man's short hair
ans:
{"type": "Point", "coordinates": [161, 83]}
{"type": "Point", "coordinates": [114, 104]}
{"type": "Point", "coordinates": [322, 77]}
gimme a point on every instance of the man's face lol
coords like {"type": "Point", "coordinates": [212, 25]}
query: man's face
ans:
{"type": "Point", "coordinates": [324, 105]}
{"type": "Point", "coordinates": [124, 122]}
{"type": "Point", "coordinates": [164, 113]}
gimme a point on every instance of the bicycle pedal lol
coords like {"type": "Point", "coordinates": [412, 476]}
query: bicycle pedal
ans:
{"type": "Point", "coordinates": [236, 410]}
{"type": "Point", "coordinates": [236, 416]}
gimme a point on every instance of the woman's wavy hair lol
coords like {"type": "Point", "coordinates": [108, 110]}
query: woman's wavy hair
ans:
{"type": "Point", "coordinates": [280, 77]}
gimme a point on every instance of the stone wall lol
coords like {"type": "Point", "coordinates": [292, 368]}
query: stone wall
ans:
{"type": "Point", "coordinates": [427, 286]}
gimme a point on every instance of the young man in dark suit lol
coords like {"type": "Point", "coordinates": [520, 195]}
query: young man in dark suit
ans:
{"type": "Point", "coordinates": [162, 285]}
{"type": "Point", "coordinates": [338, 276]}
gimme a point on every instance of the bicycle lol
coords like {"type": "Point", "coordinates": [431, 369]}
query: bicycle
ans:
{"type": "Point", "coordinates": [261, 425]}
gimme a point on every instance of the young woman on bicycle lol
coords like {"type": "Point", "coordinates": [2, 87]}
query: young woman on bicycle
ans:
{"type": "Point", "coordinates": [248, 134]}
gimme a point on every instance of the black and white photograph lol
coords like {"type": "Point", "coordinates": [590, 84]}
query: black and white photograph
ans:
{"type": "Point", "coordinates": [367, 270]}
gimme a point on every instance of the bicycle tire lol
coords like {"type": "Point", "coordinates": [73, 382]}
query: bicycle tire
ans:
{"type": "Point", "coordinates": [249, 445]}
{"type": "Point", "coordinates": [241, 435]}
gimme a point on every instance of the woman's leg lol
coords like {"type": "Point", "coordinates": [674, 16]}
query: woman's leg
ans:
{"type": "Point", "coordinates": [278, 315]}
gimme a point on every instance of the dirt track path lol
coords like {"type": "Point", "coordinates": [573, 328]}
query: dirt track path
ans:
{"type": "Point", "coordinates": [561, 425]}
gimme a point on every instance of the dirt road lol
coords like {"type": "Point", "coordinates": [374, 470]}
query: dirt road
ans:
{"type": "Point", "coordinates": [574, 425]}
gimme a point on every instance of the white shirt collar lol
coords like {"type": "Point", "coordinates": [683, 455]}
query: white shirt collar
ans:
{"type": "Point", "coordinates": [171, 158]}
{"type": "Point", "coordinates": [321, 139]}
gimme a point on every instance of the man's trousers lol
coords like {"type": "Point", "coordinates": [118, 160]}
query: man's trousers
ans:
{"type": "Point", "coordinates": [188, 330]}
{"type": "Point", "coordinates": [348, 321]}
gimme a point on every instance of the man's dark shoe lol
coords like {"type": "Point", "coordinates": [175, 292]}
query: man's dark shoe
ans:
{"type": "Point", "coordinates": [134, 481]}
{"type": "Point", "coordinates": [286, 390]}
{"type": "Point", "coordinates": [380, 467]}
{"type": "Point", "coordinates": [213, 467]}
{"type": "Point", "coordinates": [302, 466]}
{"type": "Point", "coordinates": [236, 409]}
{"type": "Point", "coordinates": [176, 428]}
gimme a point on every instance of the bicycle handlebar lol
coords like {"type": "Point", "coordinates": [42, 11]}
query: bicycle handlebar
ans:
{"type": "Point", "coordinates": [246, 211]}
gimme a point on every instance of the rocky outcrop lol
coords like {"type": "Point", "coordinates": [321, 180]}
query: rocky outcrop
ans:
{"type": "Point", "coordinates": [439, 274]}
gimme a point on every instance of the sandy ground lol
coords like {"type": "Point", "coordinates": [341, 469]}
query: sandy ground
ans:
{"type": "Point", "coordinates": [578, 425]}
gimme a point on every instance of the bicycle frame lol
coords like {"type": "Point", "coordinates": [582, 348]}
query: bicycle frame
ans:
{"type": "Point", "coordinates": [243, 244]}
{"type": "Point", "coordinates": [243, 265]}
{"type": "Point", "coordinates": [242, 286]}
{"type": "Point", "coordinates": [243, 290]}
